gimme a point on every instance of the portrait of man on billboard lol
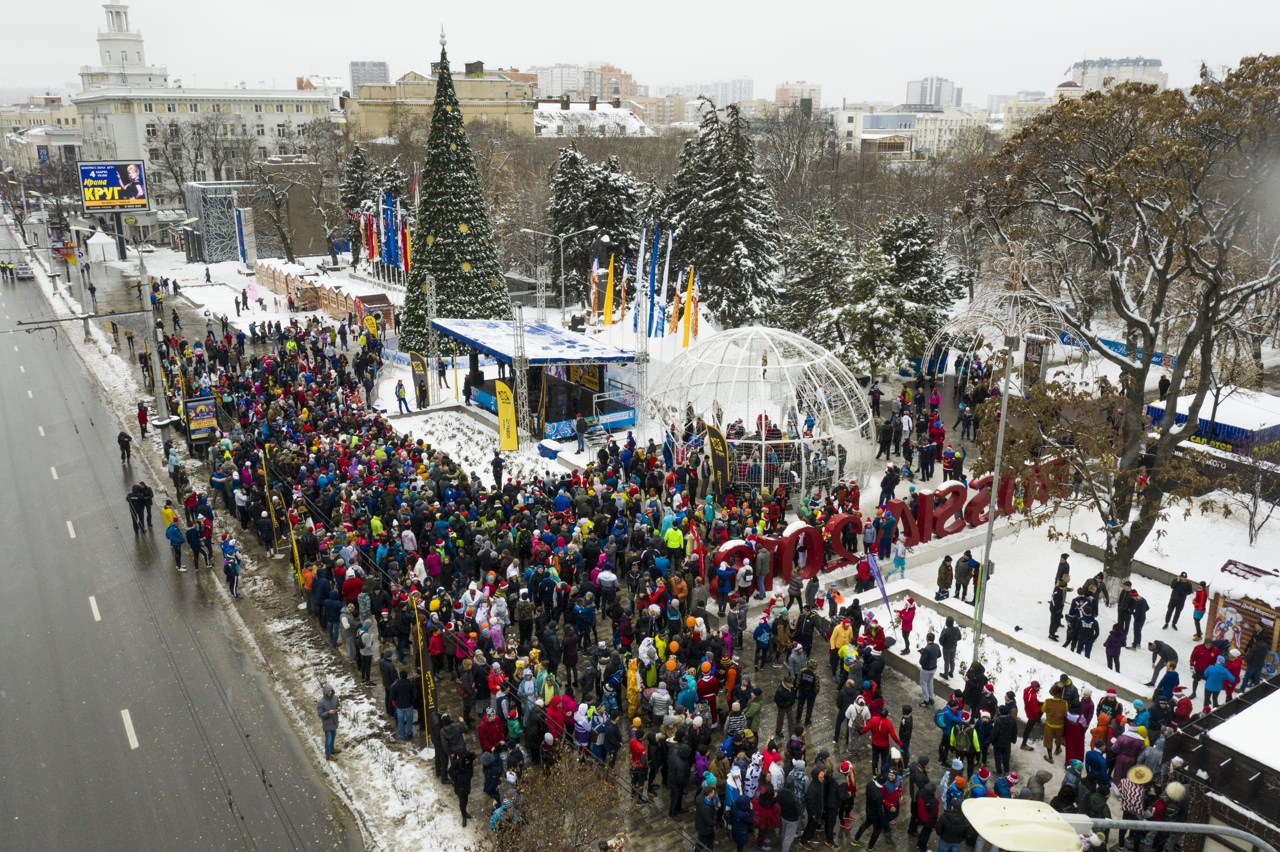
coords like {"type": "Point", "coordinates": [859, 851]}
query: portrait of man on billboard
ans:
{"type": "Point", "coordinates": [131, 183]}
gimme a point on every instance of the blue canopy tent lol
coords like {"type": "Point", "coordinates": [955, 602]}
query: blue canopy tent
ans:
{"type": "Point", "coordinates": [569, 373]}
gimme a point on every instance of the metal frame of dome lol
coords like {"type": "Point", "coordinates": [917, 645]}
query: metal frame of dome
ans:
{"type": "Point", "coordinates": [724, 372]}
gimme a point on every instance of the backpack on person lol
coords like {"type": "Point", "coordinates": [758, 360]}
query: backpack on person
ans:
{"type": "Point", "coordinates": [939, 719]}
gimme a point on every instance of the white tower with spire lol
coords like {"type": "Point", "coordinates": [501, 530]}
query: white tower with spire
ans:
{"type": "Point", "coordinates": [121, 56]}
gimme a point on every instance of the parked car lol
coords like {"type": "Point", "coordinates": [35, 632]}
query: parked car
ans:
{"type": "Point", "coordinates": [23, 271]}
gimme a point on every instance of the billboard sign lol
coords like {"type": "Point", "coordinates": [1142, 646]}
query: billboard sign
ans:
{"type": "Point", "coordinates": [113, 187]}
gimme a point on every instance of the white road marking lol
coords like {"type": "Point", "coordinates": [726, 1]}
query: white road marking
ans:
{"type": "Point", "coordinates": [128, 729]}
{"type": "Point", "coordinates": [71, 529]}
{"type": "Point", "coordinates": [21, 369]}
{"type": "Point", "coordinates": [41, 428]}
{"type": "Point", "coordinates": [30, 395]}
{"type": "Point", "coordinates": [15, 349]}
{"type": "Point", "coordinates": [54, 471]}
{"type": "Point", "coordinates": [93, 605]}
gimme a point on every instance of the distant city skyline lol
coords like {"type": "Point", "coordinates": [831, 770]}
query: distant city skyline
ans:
{"type": "Point", "coordinates": [991, 48]}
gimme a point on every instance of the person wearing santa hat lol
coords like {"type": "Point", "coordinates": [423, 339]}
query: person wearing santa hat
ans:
{"type": "Point", "coordinates": [906, 618]}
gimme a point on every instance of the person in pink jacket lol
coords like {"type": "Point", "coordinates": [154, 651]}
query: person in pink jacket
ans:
{"type": "Point", "coordinates": [906, 618]}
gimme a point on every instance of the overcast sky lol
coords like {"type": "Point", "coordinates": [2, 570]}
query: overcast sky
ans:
{"type": "Point", "coordinates": [858, 51]}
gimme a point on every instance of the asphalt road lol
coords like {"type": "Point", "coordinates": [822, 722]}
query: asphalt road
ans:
{"type": "Point", "coordinates": [131, 715]}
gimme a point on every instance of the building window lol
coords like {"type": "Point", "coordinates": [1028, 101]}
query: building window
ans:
{"type": "Point", "coordinates": [170, 107]}
{"type": "Point", "coordinates": [848, 134]}
{"type": "Point", "coordinates": [851, 119]}
{"type": "Point", "coordinates": [262, 152]}
{"type": "Point", "coordinates": [282, 130]}
{"type": "Point", "coordinates": [152, 131]}
{"type": "Point", "coordinates": [154, 154]}
{"type": "Point", "coordinates": [257, 107]}
{"type": "Point", "coordinates": [108, 57]}
{"type": "Point", "coordinates": [73, 122]}
{"type": "Point", "coordinates": [279, 107]}
{"type": "Point", "coordinates": [262, 131]}
{"type": "Point", "coordinates": [148, 108]}
{"type": "Point", "coordinates": [297, 107]}
{"type": "Point", "coordinates": [193, 107]}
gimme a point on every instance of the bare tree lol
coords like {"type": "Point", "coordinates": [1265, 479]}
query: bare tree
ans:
{"type": "Point", "coordinates": [1139, 199]}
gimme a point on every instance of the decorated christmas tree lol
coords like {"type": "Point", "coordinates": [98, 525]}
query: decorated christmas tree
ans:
{"type": "Point", "coordinates": [453, 237]}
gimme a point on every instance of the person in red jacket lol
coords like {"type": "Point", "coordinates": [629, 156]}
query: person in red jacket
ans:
{"type": "Point", "coordinates": [639, 768]}
{"type": "Point", "coordinates": [907, 618]}
{"type": "Point", "coordinates": [1202, 656]}
{"type": "Point", "coordinates": [708, 688]}
{"type": "Point", "coordinates": [1199, 604]}
{"type": "Point", "coordinates": [881, 729]}
{"type": "Point", "coordinates": [491, 732]}
{"type": "Point", "coordinates": [352, 586]}
{"type": "Point", "coordinates": [1031, 706]}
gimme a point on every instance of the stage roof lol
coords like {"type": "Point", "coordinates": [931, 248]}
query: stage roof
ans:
{"type": "Point", "coordinates": [543, 344]}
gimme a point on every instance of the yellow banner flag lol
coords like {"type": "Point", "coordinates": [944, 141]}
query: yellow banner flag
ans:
{"type": "Point", "coordinates": [688, 309]}
{"type": "Point", "coordinates": [507, 438]}
{"type": "Point", "coordinates": [371, 324]}
{"type": "Point", "coordinates": [608, 296]}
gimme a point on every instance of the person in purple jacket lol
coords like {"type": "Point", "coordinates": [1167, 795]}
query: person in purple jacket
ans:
{"type": "Point", "coordinates": [1113, 644]}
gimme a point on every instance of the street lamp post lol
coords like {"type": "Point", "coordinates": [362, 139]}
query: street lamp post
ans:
{"type": "Point", "coordinates": [161, 401]}
{"type": "Point", "coordinates": [1008, 313]}
{"type": "Point", "coordinates": [561, 238]}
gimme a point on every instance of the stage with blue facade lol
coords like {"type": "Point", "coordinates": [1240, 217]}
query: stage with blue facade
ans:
{"type": "Point", "coordinates": [568, 373]}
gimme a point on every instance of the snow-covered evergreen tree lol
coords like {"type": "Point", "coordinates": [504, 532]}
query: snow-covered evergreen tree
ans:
{"type": "Point", "coordinates": [817, 265]}
{"type": "Point", "coordinates": [882, 334]}
{"type": "Point", "coordinates": [919, 271]}
{"type": "Point", "coordinates": [355, 189]}
{"type": "Point", "coordinates": [585, 194]}
{"type": "Point", "coordinates": [453, 236]}
{"type": "Point", "coordinates": [726, 224]}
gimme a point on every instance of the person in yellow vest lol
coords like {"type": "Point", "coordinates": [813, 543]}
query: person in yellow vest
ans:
{"type": "Point", "coordinates": [401, 398]}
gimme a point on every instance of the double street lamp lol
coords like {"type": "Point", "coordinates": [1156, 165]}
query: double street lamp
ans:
{"type": "Point", "coordinates": [561, 238]}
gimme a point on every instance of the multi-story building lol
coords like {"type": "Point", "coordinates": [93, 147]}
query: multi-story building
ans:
{"type": "Point", "coordinates": [130, 110]}
{"type": "Point", "coordinates": [485, 96]}
{"type": "Point", "coordinates": [561, 79]}
{"type": "Point", "coordinates": [721, 92]}
{"type": "Point", "coordinates": [39, 111]}
{"type": "Point", "coordinates": [939, 133]}
{"type": "Point", "coordinates": [791, 94]}
{"type": "Point", "coordinates": [935, 91]}
{"type": "Point", "coordinates": [600, 80]}
{"type": "Point", "coordinates": [368, 73]}
{"type": "Point", "coordinates": [903, 131]}
{"type": "Point", "coordinates": [659, 111]}
{"type": "Point", "coordinates": [1092, 73]}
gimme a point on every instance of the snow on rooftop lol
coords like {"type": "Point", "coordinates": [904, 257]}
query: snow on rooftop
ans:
{"type": "Point", "coordinates": [1242, 408]}
{"type": "Point", "coordinates": [580, 120]}
{"type": "Point", "coordinates": [543, 343]}
{"type": "Point", "coordinates": [1240, 732]}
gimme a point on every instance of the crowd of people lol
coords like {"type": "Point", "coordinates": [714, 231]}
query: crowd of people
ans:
{"type": "Point", "coordinates": [572, 617]}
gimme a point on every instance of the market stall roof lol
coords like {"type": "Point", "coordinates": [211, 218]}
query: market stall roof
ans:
{"type": "Point", "coordinates": [1244, 409]}
{"type": "Point", "coordinates": [1240, 732]}
{"type": "Point", "coordinates": [543, 344]}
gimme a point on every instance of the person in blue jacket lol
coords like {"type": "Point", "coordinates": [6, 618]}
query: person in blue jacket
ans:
{"type": "Point", "coordinates": [763, 635]}
{"type": "Point", "coordinates": [176, 540]}
{"type": "Point", "coordinates": [1216, 677]}
{"type": "Point", "coordinates": [741, 818]}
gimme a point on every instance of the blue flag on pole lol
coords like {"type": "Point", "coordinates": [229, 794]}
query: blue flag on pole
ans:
{"type": "Point", "coordinates": [653, 274]}
{"type": "Point", "coordinates": [875, 573]}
